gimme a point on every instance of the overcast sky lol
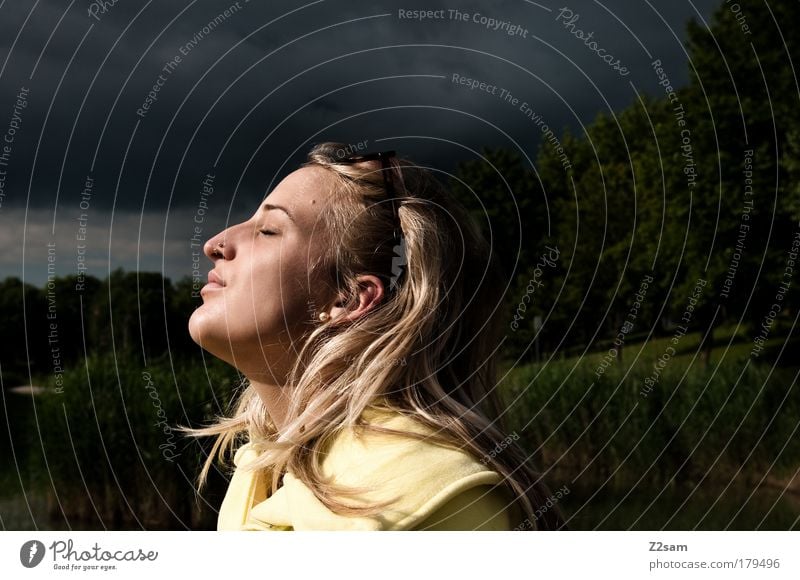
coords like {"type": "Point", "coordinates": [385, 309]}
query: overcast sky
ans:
{"type": "Point", "coordinates": [243, 95]}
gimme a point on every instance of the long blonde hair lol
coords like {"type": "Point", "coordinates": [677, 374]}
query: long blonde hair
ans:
{"type": "Point", "coordinates": [438, 321]}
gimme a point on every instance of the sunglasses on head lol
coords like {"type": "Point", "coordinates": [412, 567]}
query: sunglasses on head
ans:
{"type": "Point", "coordinates": [388, 183]}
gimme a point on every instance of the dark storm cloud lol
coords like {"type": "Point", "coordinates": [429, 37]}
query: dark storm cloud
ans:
{"type": "Point", "coordinates": [249, 96]}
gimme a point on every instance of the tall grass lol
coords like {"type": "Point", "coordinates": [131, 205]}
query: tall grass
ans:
{"type": "Point", "coordinates": [696, 423]}
{"type": "Point", "coordinates": [108, 459]}
{"type": "Point", "coordinates": [109, 449]}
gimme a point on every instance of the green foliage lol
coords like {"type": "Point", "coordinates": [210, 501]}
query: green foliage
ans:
{"type": "Point", "coordinates": [659, 189]}
{"type": "Point", "coordinates": [110, 449]}
{"type": "Point", "coordinates": [501, 191]}
{"type": "Point", "coordinates": [695, 423]}
{"type": "Point", "coordinates": [15, 354]}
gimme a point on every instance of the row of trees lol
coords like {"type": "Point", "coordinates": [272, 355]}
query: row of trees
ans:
{"type": "Point", "coordinates": [702, 182]}
{"type": "Point", "coordinates": [133, 312]}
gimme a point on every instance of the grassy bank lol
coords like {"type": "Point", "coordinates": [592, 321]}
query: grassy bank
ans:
{"type": "Point", "coordinates": [109, 452]}
{"type": "Point", "coordinates": [641, 419]}
{"type": "Point", "coordinates": [101, 452]}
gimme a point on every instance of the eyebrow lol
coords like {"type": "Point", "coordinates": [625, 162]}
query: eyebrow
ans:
{"type": "Point", "coordinates": [269, 206]}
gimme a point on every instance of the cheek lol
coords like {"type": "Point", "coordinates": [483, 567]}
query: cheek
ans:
{"type": "Point", "coordinates": [258, 308]}
{"type": "Point", "coordinates": [285, 293]}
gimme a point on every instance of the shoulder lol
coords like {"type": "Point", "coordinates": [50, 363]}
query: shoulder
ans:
{"type": "Point", "coordinates": [480, 508]}
{"type": "Point", "coordinates": [426, 482]}
{"type": "Point", "coordinates": [426, 485]}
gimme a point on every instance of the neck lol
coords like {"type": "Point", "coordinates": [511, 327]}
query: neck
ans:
{"type": "Point", "coordinates": [274, 397]}
{"type": "Point", "coordinates": [269, 375]}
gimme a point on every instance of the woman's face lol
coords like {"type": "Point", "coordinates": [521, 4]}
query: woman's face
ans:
{"type": "Point", "coordinates": [261, 296]}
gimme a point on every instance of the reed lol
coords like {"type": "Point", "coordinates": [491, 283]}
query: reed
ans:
{"type": "Point", "coordinates": [110, 453]}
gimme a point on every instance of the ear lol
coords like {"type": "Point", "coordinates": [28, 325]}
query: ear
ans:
{"type": "Point", "coordinates": [370, 295]}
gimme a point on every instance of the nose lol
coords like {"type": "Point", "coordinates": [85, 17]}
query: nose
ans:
{"type": "Point", "coordinates": [219, 246]}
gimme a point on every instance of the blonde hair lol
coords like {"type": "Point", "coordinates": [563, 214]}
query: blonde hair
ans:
{"type": "Point", "coordinates": [438, 321]}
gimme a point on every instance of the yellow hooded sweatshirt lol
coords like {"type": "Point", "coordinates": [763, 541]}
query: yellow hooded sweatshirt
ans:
{"type": "Point", "coordinates": [437, 488]}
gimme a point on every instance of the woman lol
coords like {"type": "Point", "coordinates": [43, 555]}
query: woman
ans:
{"type": "Point", "coordinates": [357, 302]}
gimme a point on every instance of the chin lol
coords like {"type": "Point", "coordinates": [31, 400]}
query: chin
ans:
{"type": "Point", "coordinates": [194, 330]}
{"type": "Point", "coordinates": [199, 331]}
{"type": "Point", "coordinates": [206, 333]}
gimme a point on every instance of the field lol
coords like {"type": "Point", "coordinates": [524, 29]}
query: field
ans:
{"type": "Point", "coordinates": [679, 444]}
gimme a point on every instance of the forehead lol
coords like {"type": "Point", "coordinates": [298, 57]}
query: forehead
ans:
{"type": "Point", "coordinates": [304, 193]}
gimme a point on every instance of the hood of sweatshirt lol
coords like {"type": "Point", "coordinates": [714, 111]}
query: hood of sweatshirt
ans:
{"type": "Point", "coordinates": [420, 477]}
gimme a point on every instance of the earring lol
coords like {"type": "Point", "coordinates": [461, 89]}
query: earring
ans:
{"type": "Point", "coordinates": [324, 316]}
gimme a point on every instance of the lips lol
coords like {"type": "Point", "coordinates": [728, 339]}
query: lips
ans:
{"type": "Point", "coordinates": [214, 283]}
{"type": "Point", "coordinates": [213, 278]}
